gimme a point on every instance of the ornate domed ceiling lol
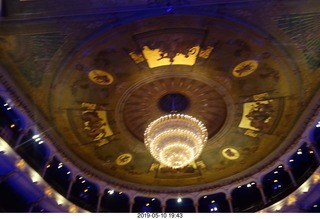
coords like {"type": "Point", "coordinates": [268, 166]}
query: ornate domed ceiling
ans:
{"type": "Point", "coordinates": [228, 75]}
{"type": "Point", "coordinates": [231, 73]}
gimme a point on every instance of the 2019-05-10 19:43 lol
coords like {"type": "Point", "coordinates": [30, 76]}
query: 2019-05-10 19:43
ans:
{"type": "Point", "coordinates": [159, 215]}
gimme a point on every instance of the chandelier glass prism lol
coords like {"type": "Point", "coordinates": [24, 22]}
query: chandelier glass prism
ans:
{"type": "Point", "coordinates": [175, 140]}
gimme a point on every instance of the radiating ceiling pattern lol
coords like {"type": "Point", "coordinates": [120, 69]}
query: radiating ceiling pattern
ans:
{"type": "Point", "coordinates": [302, 29]}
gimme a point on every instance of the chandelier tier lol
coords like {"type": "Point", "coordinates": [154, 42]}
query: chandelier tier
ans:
{"type": "Point", "coordinates": [175, 140]}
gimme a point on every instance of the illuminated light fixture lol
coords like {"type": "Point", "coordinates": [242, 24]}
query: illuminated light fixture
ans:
{"type": "Point", "coordinates": [318, 125]}
{"type": "Point", "coordinates": [179, 200]}
{"type": "Point", "coordinates": [60, 201]}
{"type": "Point", "coordinates": [12, 125]}
{"type": "Point", "coordinates": [35, 177]}
{"type": "Point", "coordinates": [35, 136]}
{"type": "Point", "coordinates": [278, 207]}
{"type": "Point", "coordinates": [73, 209]}
{"type": "Point", "coordinates": [111, 192]}
{"type": "Point", "coordinates": [21, 164]}
{"type": "Point", "coordinates": [175, 140]}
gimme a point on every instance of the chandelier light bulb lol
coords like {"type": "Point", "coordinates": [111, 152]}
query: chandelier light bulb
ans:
{"type": "Point", "coordinates": [175, 140]}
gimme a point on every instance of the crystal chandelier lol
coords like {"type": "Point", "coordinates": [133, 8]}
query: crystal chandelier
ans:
{"type": "Point", "coordinates": [175, 140]}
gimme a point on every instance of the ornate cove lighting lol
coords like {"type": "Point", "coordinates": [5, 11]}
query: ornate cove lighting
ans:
{"type": "Point", "coordinates": [175, 140]}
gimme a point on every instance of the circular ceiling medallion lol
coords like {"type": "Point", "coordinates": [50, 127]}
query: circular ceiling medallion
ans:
{"type": "Point", "coordinates": [123, 159]}
{"type": "Point", "coordinates": [150, 100]}
{"type": "Point", "coordinates": [245, 68]}
{"type": "Point", "coordinates": [100, 77]}
{"type": "Point", "coordinates": [230, 153]}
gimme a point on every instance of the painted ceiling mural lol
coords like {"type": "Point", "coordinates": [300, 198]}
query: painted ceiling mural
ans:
{"type": "Point", "coordinates": [102, 87]}
{"type": "Point", "coordinates": [116, 84]}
